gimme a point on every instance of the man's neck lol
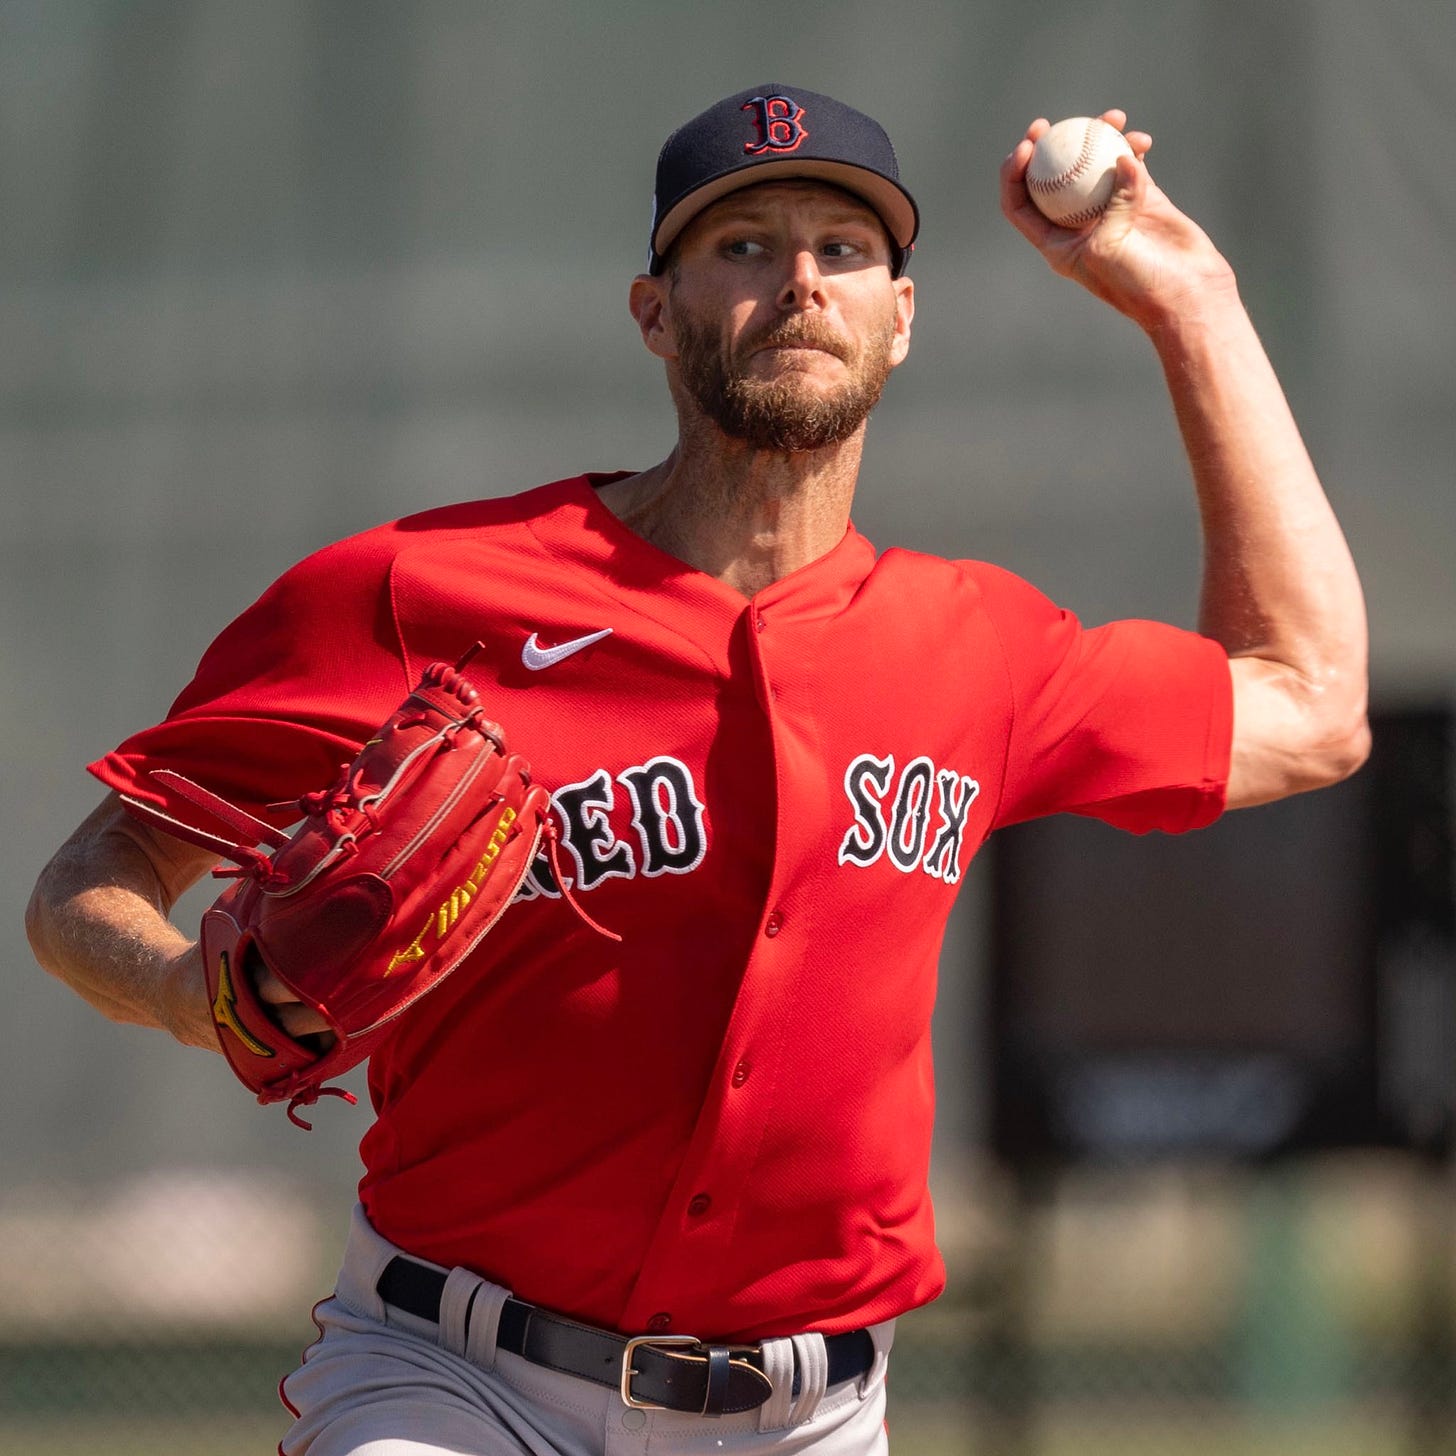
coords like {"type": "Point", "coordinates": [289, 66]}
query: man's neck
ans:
{"type": "Point", "coordinates": [746, 517]}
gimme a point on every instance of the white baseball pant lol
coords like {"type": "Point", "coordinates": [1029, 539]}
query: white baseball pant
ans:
{"type": "Point", "coordinates": [380, 1381]}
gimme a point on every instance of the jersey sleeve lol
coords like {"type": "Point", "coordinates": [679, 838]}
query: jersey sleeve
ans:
{"type": "Point", "coordinates": [1130, 723]}
{"type": "Point", "coordinates": [285, 694]}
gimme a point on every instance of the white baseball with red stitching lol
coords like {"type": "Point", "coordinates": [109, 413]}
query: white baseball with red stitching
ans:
{"type": "Point", "coordinates": [1073, 170]}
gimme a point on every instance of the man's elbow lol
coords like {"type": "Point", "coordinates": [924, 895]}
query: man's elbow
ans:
{"type": "Point", "coordinates": [1290, 735]}
{"type": "Point", "coordinates": [39, 919]}
{"type": "Point", "coordinates": [1343, 753]}
{"type": "Point", "coordinates": [1336, 733]}
{"type": "Point", "coordinates": [1295, 763]}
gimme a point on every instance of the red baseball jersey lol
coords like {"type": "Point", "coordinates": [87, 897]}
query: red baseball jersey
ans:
{"type": "Point", "coordinates": [722, 1124]}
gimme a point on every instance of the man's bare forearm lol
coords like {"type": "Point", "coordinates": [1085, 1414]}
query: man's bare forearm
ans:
{"type": "Point", "coordinates": [1279, 580]}
{"type": "Point", "coordinates": [98, 922]}
{"type": "Point", "coordinates": [1280, 588]}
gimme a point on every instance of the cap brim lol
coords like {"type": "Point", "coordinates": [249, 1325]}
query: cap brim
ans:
{"type": "Point", "coordinates": [890, 202]}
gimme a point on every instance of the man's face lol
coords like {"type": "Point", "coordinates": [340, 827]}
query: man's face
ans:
{"type": "Point", "coordinates": [781, 317]}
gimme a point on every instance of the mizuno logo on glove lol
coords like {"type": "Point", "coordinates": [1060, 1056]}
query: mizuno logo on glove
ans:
{"type": "Point", "coordinates": [447, 916]}
{"type": "Point", "coordinates": [225, 1010]}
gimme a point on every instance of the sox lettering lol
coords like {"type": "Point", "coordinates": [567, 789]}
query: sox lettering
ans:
{"type": "Point", "coordinates": [904, 837]}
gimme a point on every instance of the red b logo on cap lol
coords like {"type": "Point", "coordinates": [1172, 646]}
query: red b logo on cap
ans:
{"type": "Point", "coordinates": [780, 125]}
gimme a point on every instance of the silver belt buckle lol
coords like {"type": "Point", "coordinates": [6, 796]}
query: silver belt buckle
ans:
{"type": "Point", "coordinates": [663, 1341]}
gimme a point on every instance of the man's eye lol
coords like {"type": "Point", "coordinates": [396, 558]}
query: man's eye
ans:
{"type": "Point", "coordinates": [743, 248]}
{"type": "Point", "coordinates": [840, 249]}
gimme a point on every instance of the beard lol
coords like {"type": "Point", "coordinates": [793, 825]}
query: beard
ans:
{"type": "Point", "coordinates": [789, 414]}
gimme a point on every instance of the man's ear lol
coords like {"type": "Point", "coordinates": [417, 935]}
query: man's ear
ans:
{"type": "Point", "coordinates": [648, 303]}
{"type": "Point", "coordinates": [904, 317]}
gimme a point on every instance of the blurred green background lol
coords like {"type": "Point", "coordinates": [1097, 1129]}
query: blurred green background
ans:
{"type": "Point", "coordinates": [274, 270]}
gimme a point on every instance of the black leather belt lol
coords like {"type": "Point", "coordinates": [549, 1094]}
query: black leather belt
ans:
{"type": "Point", "coordinates": [651, 1372]}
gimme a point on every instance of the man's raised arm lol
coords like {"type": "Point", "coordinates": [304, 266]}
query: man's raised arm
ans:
{"type": "Point", "coordinates": [1280, 591]}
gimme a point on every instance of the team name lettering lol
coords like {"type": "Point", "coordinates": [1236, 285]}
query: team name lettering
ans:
{"type": "Point", "coordinates": [899, 826]}
{"type": "Point", "coordinates": [916, 817]}
{"type": "Point", "coordinates": [586, 834]}
{"type": "Point", "coordinates": [669, 828]}
{"type": "Point", "coordinates": [447, 915]}
{"type": "Point", "coordinates": [667, 816]}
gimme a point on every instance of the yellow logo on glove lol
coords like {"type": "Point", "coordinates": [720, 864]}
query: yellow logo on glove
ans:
{"type": "Point", "coordinates": [225, 1010]}
{"type": "Point", "coordinates": [444, 919]}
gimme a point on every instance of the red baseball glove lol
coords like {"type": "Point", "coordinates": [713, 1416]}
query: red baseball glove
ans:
{"type": "Point", "coordinates": [397, 871]}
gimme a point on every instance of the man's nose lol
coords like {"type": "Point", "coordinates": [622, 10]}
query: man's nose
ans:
{"type": "Point", "coordinates": [803, 284]}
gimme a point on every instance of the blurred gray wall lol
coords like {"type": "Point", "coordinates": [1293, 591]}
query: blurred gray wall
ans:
{"type": "Point", "coordinates": [271, 272]}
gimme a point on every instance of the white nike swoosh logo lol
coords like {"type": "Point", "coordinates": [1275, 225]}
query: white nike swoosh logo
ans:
{"type": "Point", "coordinates": [536, 657]}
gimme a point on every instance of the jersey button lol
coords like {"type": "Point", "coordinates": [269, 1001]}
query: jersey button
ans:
{"type": "Point", "coordinates": [774, 924]}
{"type": "Point", "coordinates": [759, 621]}
{"type": "Point", "coordinates": [740, 1074]}
{"type": "Point", "coordinates": [660, 1322]}
{"type": "Point", "coordinates": [699, 1204]}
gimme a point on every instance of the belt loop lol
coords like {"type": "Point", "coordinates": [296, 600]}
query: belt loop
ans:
{"type": "Point", "coordinates": [365, 1255]}
{"type": "Point", "coordinates": [882, 1336]}
{"type": "Point", "coordinates": [811, 1360]}
{"type": "Point", "coordinates": [482, 1323]}
{"type": "Point", "coordinates": [778, 1364]}
{"type": "Point", "coordinates": [456, 1298]}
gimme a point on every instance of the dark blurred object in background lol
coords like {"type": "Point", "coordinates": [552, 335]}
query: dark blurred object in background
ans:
{"type": "Point", "coordinates": [1283, 981]}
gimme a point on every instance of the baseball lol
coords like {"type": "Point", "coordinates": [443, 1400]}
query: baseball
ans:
{"type": "Point", "coordinates": [1074, 169]}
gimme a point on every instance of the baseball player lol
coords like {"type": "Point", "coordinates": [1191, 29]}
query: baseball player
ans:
{"type": "Point", "coordinates": [670, 1192]}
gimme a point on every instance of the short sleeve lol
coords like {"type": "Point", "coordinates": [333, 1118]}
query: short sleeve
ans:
{"type": "Point", "coordinates": [287, 692]}
{"type": "Point", "coordinates": [1130, 723]}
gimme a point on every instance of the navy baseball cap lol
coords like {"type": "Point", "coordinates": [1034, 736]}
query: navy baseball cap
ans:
{"type": "Point", "coordinates": [769, 132]}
